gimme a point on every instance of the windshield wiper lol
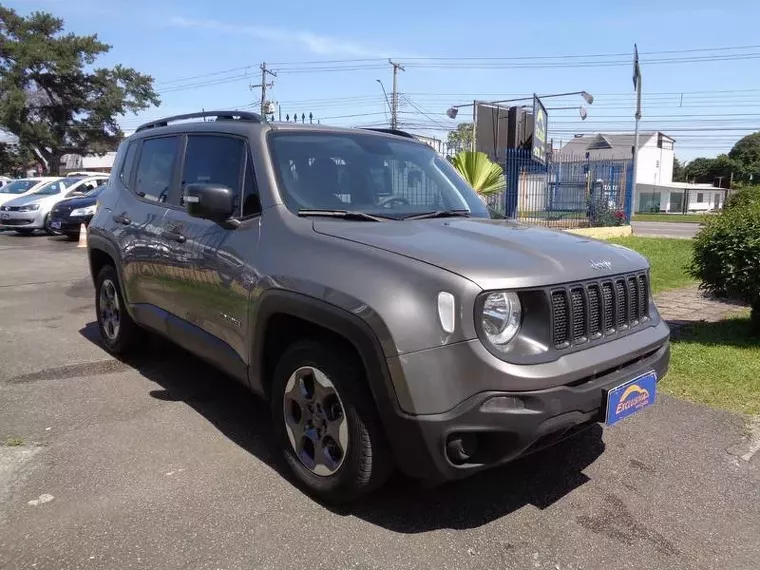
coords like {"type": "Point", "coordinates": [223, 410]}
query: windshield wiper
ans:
{"type": "Point", "coordinates": [344, 214]}
{"type": "Point", "coordinates": [440, 214]}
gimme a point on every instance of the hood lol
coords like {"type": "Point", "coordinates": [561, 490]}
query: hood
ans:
{"type": "Point", "coordinates": [27, 199]}
{"type": "Point", "coordinates": [77, 202]}
{"type": "Point", "coordinates": [5, 198]}
{"type": "Point", "coordinates": [492, 253]}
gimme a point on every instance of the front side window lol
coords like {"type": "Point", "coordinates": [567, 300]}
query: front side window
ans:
{"type": "Point", "coordinates": [18, 186]}
{"type": "Point", "coordinates": [155, 168]}
{"type": "Point", "coordinates": [367, 173]}
{"type": "Point", "coordinates": [213, 159]}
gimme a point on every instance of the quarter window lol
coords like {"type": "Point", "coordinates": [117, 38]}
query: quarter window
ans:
{"type": "Point", "coordinates": [155, 168]}
{"type": "Point", "coordinates": [129, 162]}
{"type": "Point", "coordinates": [251, 201]}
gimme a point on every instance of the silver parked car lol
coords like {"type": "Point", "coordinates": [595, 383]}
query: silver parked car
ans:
{"type": "Point", "coordinates": [31, 211]}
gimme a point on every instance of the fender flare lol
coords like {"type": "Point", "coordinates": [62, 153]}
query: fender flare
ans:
{"type": "Point", "coordinates": [100, 243]}
{"type": "Point", "coordinates": [344, 323]}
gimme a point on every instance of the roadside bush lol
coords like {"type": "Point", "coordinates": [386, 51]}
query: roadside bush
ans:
{"type": "Point", "coordinates": [727, 254]}
{"type": "Point", "coordinates": [743, 197]}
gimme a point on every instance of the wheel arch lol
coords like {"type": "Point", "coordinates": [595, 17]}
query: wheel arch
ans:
{"type": "Point", "coordinates": [318, 317]}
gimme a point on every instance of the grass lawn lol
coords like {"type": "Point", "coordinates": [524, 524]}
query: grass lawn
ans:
{"type": "Point", "coordinates": [688, 218]}
{"type": "Point", "coordinates": [717, 364]}
{"type": "Point", "coordinates": [668, 258]}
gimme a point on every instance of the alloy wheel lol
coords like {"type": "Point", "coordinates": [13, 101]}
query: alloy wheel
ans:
{"type": "Point", "coordinates": [110, 312]}
{"type": "Point", "coordinates": [315, 421]}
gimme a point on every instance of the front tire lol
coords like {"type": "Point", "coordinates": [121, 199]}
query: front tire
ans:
{"type": "Point", "coordinates": [118, 331]}
{"type": "Point", "coordinates": [326, 423]}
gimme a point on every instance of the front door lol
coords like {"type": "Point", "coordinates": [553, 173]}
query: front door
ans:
{"type": "Point", "coordinates": [209, 284]}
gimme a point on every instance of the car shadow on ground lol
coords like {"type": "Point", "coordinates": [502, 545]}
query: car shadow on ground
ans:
{"type": "Point", "coordinates": [402, 506]}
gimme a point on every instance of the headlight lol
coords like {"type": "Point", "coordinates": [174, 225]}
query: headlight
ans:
{"type": "Point", "coordinates": [88, 211]}
{"type": "Point", "coordinates": [29, 208]}
{"type": "Point", "coordinates": [501, 318]}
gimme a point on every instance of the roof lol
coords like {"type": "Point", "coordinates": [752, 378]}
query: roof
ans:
{"type": "Point", "coordinates": [8, 138]}
{"type": "Point", "coordinates": [608, 146]}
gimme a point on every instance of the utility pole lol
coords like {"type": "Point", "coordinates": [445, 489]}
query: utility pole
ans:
{"type": "Point", "coordinates": [394, 96]}
{"type": "Point", "coordinates": [264, 85]}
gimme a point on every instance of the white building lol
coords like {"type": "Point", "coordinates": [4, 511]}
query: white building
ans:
{"type": "Point", "coordinates": [655, 189]}
{"type": "Point", "coordinates": [655, 164]}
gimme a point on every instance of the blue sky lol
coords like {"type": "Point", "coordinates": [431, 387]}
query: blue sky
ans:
{"type": "Point", "coordinates": [173, 40]}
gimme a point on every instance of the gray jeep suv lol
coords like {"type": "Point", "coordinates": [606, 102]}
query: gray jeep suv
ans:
{"type": "Point", "coordinates": [353, 279]}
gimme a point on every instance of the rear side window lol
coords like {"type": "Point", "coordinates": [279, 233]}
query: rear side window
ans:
{"type": "Point", "coordinates": [128, 165]}
{"type": "Point", "coordinates": [155, 168]}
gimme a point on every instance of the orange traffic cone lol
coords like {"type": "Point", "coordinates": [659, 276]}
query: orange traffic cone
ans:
{"type": "Point", "coordinates": [82, 236]}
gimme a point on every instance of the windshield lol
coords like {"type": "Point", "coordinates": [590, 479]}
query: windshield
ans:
{"type": "Point", "coordinates": [51, 188]}
{"type": "Point", "coordinates": [95, 192]}
{"type": "Point", "coordinates": [368, 173]}
{"type": "Point", "coordinates": [18, 186]}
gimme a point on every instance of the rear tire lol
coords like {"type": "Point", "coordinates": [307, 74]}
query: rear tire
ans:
{"type": "Point", "coordinates": [118, 332]}
{"type": "Point", "coordinates": [345, 432]}
{"type": "Point", "coordinates": [46, 224]}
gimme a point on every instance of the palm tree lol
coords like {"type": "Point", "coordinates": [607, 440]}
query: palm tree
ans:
{"type": "Point", "coordinates": [484, 175]}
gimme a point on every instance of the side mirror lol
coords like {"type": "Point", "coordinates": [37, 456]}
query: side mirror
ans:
{"type": "Point", "coordinates": [210, 201]}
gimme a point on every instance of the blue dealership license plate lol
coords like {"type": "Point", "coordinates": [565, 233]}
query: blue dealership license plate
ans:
{"type": "Point", "coordinates": [631, 397]}
{"type": "Point", "coordinates": [55, 224]}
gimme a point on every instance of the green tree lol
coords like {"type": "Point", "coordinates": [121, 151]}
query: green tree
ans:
{"type": "Point", "coordinates": [485, 176]}
{"type": "Point", "coordinates": [51, 95]}
{"type": "Point", "coordinates": [461, 138]}
{"type": "Point", "coordinates": [712, 170]}
{"type": "Point", "coordinates": [679, 173]}
{"type": "Point", "coordinates": [746, 153]}
{"type": "Point", "coordinates": [14, 160]}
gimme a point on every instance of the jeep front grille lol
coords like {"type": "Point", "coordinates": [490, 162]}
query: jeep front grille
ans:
{"type": "Point", "coordinates": [587, 311]}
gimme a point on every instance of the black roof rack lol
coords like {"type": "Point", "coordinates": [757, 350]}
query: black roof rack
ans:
{"type": "Point", "coordinates": [220, 116]}
{"type": "Point", "coordinates": [397, 132]}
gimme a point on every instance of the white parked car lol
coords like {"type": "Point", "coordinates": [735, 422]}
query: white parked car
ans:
{"type": "Point", "coordinates": [22, 187]}
{"type": "Point", "coordinates": [31, 211]}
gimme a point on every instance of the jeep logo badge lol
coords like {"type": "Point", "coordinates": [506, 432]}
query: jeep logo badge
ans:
{"type": "Point", "coordinates": [600, 264]}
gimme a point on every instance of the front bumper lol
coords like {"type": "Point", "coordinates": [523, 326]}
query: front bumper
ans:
{"type": "Point", "coordinates": [69, 224]}
{"type": "Point", "coordinates": [22, 220]}
{"type": "Point", "coordinates": [503, 430]}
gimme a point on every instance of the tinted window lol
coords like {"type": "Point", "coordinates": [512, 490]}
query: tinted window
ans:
{"type": "Point", "coordinates": [18, 186]}
{"type": "Point", "coordinates": [51, 188]}
{"type": "Point", "coordinates": [128, 165]}
{"type": "Point", "coordinates": [154, 171]}
{"type": "Point", "coordinates": [251, 202]}
{"type": "Point", "coordinates": [213, 160]}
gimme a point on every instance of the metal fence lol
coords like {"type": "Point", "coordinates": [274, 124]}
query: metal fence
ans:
{"type": "Point", "coordinates": [569, 191]}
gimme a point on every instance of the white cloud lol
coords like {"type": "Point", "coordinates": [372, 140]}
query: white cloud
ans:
{"type": "Point", "coordinates": [315, 43]}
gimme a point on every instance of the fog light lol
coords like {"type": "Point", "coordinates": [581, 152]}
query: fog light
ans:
{"type": "Point", "coordinates": [461, 447]}
{"type": "Point", "coordinates": [503, 404]}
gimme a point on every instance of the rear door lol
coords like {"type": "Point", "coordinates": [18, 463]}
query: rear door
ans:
{"type": "Point", "coordinates": [208, 287]}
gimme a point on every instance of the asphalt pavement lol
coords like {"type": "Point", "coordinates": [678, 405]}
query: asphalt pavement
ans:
{"type": "Point", "coordinates": [665, 229]}
{"type": "Point", "coordinates": [162, 462]}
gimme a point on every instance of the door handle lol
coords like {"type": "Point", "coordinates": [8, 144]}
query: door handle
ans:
{"type": "Point", "coordinates": [174, 236]}
{"type": "Point", "coordinates": [124, 220]}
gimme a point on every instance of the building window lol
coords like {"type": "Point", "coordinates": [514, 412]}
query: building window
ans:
{"type": "Point", "coordinates": [700, 197]}
{"type": "Point", "coordinates": [657, 164]}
